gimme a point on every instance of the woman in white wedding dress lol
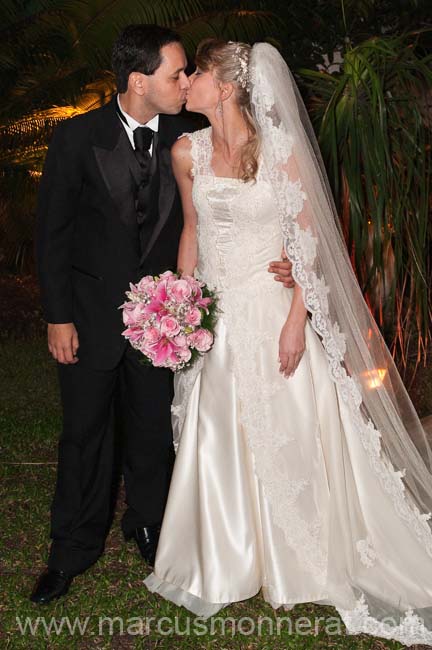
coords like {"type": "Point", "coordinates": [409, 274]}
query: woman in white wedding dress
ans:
{"type": "Point", "coordinates": [295, 472]}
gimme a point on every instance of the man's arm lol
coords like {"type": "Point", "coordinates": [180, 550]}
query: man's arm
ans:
{"type": "Point", "coordinates": [57, 204]}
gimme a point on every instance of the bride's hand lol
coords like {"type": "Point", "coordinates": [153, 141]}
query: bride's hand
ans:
{"type": "Point", "coordinates": [291, 346]}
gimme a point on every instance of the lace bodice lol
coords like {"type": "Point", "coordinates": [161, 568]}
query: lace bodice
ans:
{"type": "Point", "coordinates": [238, 228]}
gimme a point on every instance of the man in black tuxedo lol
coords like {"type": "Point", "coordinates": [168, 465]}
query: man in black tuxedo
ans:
{"type": "Point", "coordinates": [109, 212]}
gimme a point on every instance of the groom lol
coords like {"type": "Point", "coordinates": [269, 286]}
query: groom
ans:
{"type": "Point", "coordinates": [109, 212]}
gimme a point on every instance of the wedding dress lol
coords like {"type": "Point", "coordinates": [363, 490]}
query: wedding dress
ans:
{"type": "Point", "coordinates": [266, 464]}
{"type": "Point", "coordinates": [273, 488]}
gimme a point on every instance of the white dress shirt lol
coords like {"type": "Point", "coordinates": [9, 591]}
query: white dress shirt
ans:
{"type": "Point", "coordinates": [132, 124]}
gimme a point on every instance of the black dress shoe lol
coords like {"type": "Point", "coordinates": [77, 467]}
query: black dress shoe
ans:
{"type": "Point", "coordinates": [50, 585]}
{"type": "Point", "coordinates": [147, 538]}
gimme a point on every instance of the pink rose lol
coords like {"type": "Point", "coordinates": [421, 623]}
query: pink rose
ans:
{"type": "Point", "coordinates": [195, 286]}
{"type": "Point", "coordinates": [181, 290]}
{"type": "Point", "coordinates": [169, 326]}
{"type": "Point", "coordinates": [168, 275]}
{"type": "Point", "coordinates": [190, 280]}
{"type": "Point", "coordinates": [151, 335]}
{"type": "Point", "coordinates": [168, 279]}
{"type": "Point", "coordinates": [201, 340]}
{"type": "Point", "coordinates": [193, 317]}
{"type": "Point", "coordinates": [181, 341]}
{"type": "Point", "coordinates": [146, 284]}
{"type": "Point", "coordinates": [126, 313]}
{"type": "Point", "coordinates": [184, 354]}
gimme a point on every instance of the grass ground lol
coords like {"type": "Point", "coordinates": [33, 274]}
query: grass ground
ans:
{"type": "Point", "coordinates": [29, 425]}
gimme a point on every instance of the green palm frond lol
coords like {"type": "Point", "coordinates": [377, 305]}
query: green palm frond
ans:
{"type": "Point", "coordinates": [24, 141]}
{"type": "Point", "coordinates": [236, 25]}
{"type": "Point", "coordinates": [373, 122]}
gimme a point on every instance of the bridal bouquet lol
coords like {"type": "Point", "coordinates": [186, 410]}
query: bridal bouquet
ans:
{"type": "Point", "coordinates": [170, 319]}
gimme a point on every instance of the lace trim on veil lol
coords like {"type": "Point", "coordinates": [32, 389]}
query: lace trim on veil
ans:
{"type": "Point", "coordinates": [314, 293]}
{"type": "Point", "coordinates": [300, 245]}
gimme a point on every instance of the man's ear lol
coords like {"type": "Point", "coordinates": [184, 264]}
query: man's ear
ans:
{"type": "Point", "coordinates": [138, 83]}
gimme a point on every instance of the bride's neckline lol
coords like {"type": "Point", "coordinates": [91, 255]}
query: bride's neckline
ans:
{"type": "Point", "coordinates": [212, 173]}
{"type": "Point", "coordinates": [226, 178]}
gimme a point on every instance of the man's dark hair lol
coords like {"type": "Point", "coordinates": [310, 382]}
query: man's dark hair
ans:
{"type": "Point", "coordinates": [137, 49]}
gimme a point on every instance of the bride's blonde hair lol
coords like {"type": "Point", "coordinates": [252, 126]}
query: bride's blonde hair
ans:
{"type": "Point", "coordinates": [229, 63]}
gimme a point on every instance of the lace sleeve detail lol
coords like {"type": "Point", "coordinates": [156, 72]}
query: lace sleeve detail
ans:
{"type": "Point", "coordinates": [201, 151]}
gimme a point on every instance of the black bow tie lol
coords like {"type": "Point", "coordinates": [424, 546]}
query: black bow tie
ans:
{"type": "Point", "coordinates": [143, 137]}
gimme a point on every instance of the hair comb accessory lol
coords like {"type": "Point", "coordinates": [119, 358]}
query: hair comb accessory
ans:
{"type": "Point", "coordinates": [242, 56]}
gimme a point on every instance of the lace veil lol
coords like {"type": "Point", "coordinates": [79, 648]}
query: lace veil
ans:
{"type": "Point", "coordinates": [359, 362]}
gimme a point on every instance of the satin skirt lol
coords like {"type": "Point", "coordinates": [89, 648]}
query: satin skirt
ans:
{"type": "Point", "coordinates": [273, 490]}
{"type": "Point", "coordinates": [218, 542]}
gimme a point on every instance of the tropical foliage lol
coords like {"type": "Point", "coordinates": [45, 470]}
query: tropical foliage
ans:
{"type": "Point", "coordinates": [374, 119]}
{"type": "Point", "coordinates": [317, 31]}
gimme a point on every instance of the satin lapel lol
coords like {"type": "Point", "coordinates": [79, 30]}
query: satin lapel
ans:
{"type": "Point", "coordinates": [117, 167]}
{"type": "Point", "coordinates": [167, 189]}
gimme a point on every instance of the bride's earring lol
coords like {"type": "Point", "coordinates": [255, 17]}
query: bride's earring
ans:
{"type": "Point", "coordinates": [219, 108]}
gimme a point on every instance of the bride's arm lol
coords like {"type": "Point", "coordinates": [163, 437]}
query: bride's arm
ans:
{"type": "Point", "coordinates": [182, 167]}
{"type": "Point", "coordinates": [292, 337]}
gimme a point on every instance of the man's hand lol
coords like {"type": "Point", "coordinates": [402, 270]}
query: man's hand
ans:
{"type": "Point", "coordinates": [63, 342]}
{"type": "Point", "coordinates": [283, 271]}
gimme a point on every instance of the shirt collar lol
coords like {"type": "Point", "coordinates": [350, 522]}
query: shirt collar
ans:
{"type": "Point", "coordinates": [133, 124]}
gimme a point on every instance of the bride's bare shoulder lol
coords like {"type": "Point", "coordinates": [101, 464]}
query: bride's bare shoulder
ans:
{"type": "Point", "coordinates": [181, 150]}
{"type": "Point", "coordinates": [182, 155]}
{"type": "Point", "coordinates": [184, 150]}
{"type": "Point", "coordinates": [183, 143]}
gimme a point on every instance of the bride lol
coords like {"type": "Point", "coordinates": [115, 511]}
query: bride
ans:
{"type": "Point", "coordinates": [301, 466]}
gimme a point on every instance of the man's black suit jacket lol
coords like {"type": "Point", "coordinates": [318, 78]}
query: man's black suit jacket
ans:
{"type": "Point", "coordinates": [87, 241]}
